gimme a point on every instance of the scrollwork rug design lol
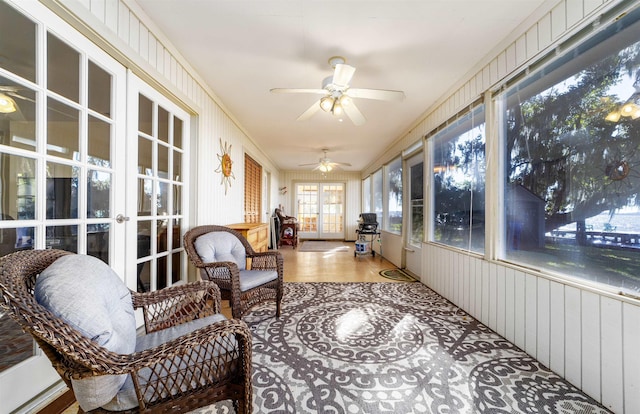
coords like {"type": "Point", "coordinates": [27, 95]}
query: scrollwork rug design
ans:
{"type": "Point", "coordinates": [392, 348]}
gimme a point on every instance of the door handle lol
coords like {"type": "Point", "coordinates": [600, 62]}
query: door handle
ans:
{"type": "Point", "coordinates": [120, 218]}
{"type": "Point", "coordinates": [409, 250]}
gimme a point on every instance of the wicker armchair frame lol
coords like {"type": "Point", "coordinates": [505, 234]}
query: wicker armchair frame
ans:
{"type": "Point", "coordinates": [220, 375]}
{"type": "Point", "coordinates": [227, 275]}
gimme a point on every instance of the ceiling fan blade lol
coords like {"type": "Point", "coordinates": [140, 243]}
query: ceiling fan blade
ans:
{"type": "Point", "coordinates": [354, 114]}
{"type": "Point", "coordinates": [379, 94]}
{"type": "Point", "coordinates": [343, 74]}
{"type": "Point", "coordinates": [343, 164]}
{"type": "Point", "coordinates": [309, 112]}
{"type": "Point", "coordinates": [298, 90]}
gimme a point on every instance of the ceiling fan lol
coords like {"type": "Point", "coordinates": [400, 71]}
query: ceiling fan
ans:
{"type": "Point", "coordinates": [8, 94]}
{"type": "Point", "coordinates": [325, 164]}
{"type": "Point", "coordinates": [338, 96]}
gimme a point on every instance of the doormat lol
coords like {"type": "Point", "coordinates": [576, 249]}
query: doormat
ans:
{"type": "Point", "coordinates": [397, 274]}
{"type": "Point", "coordinates": [323, 246]}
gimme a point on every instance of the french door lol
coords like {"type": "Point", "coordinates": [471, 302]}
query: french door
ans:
{"type": "Point", "coordinates": [414, 234]}
{"type": "Point", "coordinates": [157, 199]}
{"type": "Point", "coordinates": [320, 210]}
{"type": "Point", "coordinates": [62, 153]}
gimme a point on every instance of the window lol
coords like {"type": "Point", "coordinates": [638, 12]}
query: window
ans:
{"type": "Point", "coordinates": [376, 192]}
{"type": "Point", "coordinates": [571, 139]}
{"type": "Point", "coordinates": [366, 195]}
{"type": "Point", "coordinates": [459, 181]}
{"type": "Point", "coordinates": [393, 174]}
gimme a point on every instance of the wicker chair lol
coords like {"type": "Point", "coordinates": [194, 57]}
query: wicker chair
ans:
{"type": "Point", "coordinates": [205, 365]}
{"type": "Point", "coordinates": [236, 273]}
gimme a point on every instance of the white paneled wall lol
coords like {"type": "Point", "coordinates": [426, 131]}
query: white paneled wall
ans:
{"type": "Point", "coordinates": [587, 337]}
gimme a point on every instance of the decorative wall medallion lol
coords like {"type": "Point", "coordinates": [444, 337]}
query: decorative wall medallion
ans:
{"type": "Point", "coordinates": [225, 165]}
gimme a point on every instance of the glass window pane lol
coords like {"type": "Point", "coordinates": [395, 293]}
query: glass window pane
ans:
{"type": "Point", "coordinates": [366, 195]}
{"type": "Point", "coordinates": [99, 90]}
{"type": "Point", "coordinates": [62, 237]}
{"type": "Point", "coordinates": [145, 197]}
{"type": "Point", "coordinates": [176, 259]}
{"type": "Point", "coordinates": [17, 57]}
{"type": "Point", "coordinates": [177, 132]}
{"type": "Point", "coordinates": [177, 199]}
{"type": "Point", "coordinates": [163, 124]}
{"type": "Point", "coordinates": [145, 156]}
{"type": "Point", "coordinates": [99, 146]}
{"type": "Point", "coordinates": [163, 161]}
{"type": "Point", "coordinates": [163, 236]}
{"type": "Point", "coordinates": [63, 68]}
{"type": "Point", "coordinates": [19, 187]}
{"type": "Point", "coordinates": [62, 191]}
{"type": "Point", "coordinates": [177, 166]}
{"type": "Point", "coordinates": [145, 115]}
{"type": "Point", "coordinates": [162, 199]}
{"type": "Point", "coordinates": [144, 238]}
{"type": "Point", "coordinates": [98, 194]}
{"type": "Point", "coordinates": [417, 202]}
{"type": "Point", "coordinates": [18, 109]}
{"type": "Point", "coordinates": [98, 241]}
{"type": "Point", "coordinates": [571, 138]}
{"type": "Point", "coordinates": [393, 171]}
{"type": "Point", "coordinates": [459, 180]}
{"type": "Point", "coordinates": [15, 238]}
{"type": "Point", "coordinates": [63, 127]}
{"type": "Point", "coordinates": [377, 194]}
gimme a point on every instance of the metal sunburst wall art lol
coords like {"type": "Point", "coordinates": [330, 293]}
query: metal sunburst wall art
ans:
{"type": "Point", "coordinates": [225, 165]}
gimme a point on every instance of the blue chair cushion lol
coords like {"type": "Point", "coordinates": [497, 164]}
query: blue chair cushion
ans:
{"type": "Point", "coordinates": [86, 293]}
{"type": "Point", "coordinates": [221, 246]}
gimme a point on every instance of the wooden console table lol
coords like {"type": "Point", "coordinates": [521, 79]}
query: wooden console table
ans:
{"type": "Point", "coordinates": [257, 234]}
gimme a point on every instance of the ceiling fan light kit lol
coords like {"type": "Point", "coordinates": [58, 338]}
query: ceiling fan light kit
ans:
{"type": "Point", "coordinates": [325, 164]}
{"type": "Point", "coordinates": [338, 94]}
{"type": "Point", "coordinates": [7, 105]}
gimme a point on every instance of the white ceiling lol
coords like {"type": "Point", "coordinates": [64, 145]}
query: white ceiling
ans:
{"type": "Point", "coordinates": [243, 48]}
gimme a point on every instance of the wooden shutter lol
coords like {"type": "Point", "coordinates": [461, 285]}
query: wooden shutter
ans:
{"type": "Point", "coordinates": [252, 190]}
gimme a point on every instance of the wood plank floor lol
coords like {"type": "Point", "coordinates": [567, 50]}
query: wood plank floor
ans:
{"type": "Point", "coordinates": [340, 266]}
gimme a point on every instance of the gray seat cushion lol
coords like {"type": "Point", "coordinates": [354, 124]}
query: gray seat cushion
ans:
{"type": "Point", "coordinates": [86, 293]}
{"type": "Point", "coordinates": [126, 398]}
{"type": "Point", "coordinates": [253, 278]}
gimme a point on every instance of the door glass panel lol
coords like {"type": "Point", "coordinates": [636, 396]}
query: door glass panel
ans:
{"type": "Point", "coordinates": [63, 128]}
{"type": "Point", "coordinates": [177, 199]}
{"type": "Point", "coordinates": [98, 194]}
{"type": "Point", "coordinates": [177, 132]}
{"type": "Point", "coordinates": [145, 156]}
{"type": "Point", "coordinates": [144, 251]}
{"type": "Point", "coordinates": [145, 195]}
{"type": "Point", "coordinates": [416, 183]}
{"type": "Point", "coordinates": [161, 280]}
{"type": "Point", "coordinates": [307, 196]}
{"type": "Point", "coordinates": [98, 241]}
{"type": "Point", "coordinates": [163, 124]}
{"type": "Point", "coordinates": [62, 237]}
{"type": "Point", "coordinates": [175, 267]}
{"type": "Point", "coordinates": [99, 145]}
{"type": "Point", "coordinates": [20, 130]}
{"type": "Point", "coordinates": [62, 191]}
{"type": "Point", "coordinates": [17, 57]}
{"type": "Point", "coordinates": [162, 236]}
{"type": "Point", "coordinates": [163, 199]}
{"type": "Point", "coordinates": [63, 68]}
{"type": "Point", "coordinates": [163, 161]}
{"type": "Point", "coordinates": [99, 90]}
{"type": "Point", "coordinates": [177, 166]}
{"type": "Point", "coordinates": [145, 115]}
{"type": "Point", "coordinates": [18, 187]}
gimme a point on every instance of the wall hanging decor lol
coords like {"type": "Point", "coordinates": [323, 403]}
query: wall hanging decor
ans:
{"type": "Point", "coordinates": [225, 165]}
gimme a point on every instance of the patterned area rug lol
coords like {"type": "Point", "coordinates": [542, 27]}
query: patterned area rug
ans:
{"type": "Point", "coordinates": [323, 246]}
{"type": "Point", "coordinates": [392, 348]}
